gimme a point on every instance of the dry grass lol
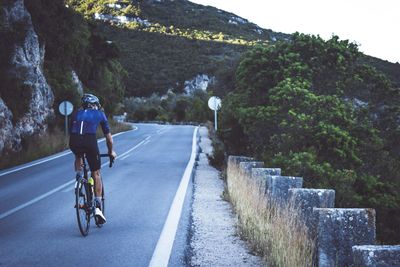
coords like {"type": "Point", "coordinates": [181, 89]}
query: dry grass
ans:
{"type": "Point", "coordinates": [275, 231]}
{"type": "Point", "coordinates": [117, 127]}
{"type": "Point", "coordinates": [35, 148]}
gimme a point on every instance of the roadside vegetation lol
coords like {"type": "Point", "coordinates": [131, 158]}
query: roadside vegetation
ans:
{"type": "Point", "coordinates": [312, 108]}
{"type": "Point", "coordinates": [277, 233]}
{"type": "Point", "coordinates": [170, 107]}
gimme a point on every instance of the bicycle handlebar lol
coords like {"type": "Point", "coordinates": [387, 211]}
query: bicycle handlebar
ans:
{"type": "Point", "coordinates": [111, 158]}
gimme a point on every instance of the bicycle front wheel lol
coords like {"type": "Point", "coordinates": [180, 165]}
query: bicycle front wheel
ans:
{"type": "Point", "coordinates": [82, 206]}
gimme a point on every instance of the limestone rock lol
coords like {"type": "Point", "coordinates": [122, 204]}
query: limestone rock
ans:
{"type": "Point", "coordinates": [25, 66]}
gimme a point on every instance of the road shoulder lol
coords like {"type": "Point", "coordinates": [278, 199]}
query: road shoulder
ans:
{"type": "Point", "coordinates": [214, 240]}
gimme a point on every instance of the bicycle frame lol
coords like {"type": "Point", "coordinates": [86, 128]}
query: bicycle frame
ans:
{"type": "Point", "coordinates": [84, 196]}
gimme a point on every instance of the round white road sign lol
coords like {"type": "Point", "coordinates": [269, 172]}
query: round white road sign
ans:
{"type": "Point", "coordinates": [214, 103]}
{"type": "Point", "coordinates": [65, 108]}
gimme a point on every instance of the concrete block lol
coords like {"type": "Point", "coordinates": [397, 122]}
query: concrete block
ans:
{"type": "Point", "coordinates": [307, 199]}
{"type": "Point", "coordinates": [262, 172]}
{"type": "Point", "coordinates": [246, 167]}
{"type": "Point", "coordinates": [233, 162]}
{"type": "Point", "coordinates": [339, 230]}
{"type": "Point", "coordinates": [277, 187]}
{"type": "Point", "coordinates": [376, 256]}
{"type": "Point", "coordinates": [259, 176]}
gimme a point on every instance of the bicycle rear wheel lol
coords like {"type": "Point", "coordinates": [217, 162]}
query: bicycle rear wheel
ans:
{"type": "Point", "coordinates": [82, 206]}
{"type": "Point", "coordinates": [102, 207]}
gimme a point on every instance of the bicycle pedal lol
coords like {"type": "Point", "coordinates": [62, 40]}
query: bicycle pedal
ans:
{"type": "Point", "coordinates": [81, 206]}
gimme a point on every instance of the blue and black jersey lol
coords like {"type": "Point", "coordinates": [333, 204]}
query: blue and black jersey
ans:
{"type": "Point", "coordinates": [86, 121]}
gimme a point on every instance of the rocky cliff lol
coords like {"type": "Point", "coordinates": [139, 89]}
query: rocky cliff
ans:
{"type": "Point", "coordinates": [24, 65]}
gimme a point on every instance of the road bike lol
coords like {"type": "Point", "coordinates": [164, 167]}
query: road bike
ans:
{"type": "Point", "coordinates": [84, 198]}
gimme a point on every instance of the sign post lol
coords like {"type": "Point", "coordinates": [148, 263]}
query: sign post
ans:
{"type": "Point", "coordinates": [214, 103]}
{"type": "Point", "coordinates": [66, 109]}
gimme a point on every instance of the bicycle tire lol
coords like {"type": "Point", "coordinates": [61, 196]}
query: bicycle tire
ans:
{"type": "Point", "coordinates": [99, 225]}
{"type": "Point", "coordinates": [81, 205]}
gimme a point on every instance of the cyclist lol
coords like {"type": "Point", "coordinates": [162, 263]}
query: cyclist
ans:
{"type": "Point", "coordinates": [84, 123]}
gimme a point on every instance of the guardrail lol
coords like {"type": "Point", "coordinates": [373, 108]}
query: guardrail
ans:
{"type": "Point", "coordinates": [343, 237]}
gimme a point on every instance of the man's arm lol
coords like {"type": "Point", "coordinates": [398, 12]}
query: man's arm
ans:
{"type": "Point", "coordinates": [109, 141]}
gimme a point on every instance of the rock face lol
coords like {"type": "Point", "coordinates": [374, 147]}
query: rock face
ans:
{"type": "Point", "coordinates": [25, 66]}
{"type": "Point", "coordinates": [78, 84]}
{"type": "Point", "coordinates": [200, 82]}
{"type": "Point", "coordinates": [6, 127]}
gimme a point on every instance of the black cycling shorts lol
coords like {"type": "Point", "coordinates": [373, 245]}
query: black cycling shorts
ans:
{"type": "Point", "coordinates": [86, 144]}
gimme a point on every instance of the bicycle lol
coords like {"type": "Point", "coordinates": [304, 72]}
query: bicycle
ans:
{"type": "Point", "coordinates": [84, 198]}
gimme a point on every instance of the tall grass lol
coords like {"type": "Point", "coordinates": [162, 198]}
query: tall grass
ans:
{"type": "Point", "coordinates": [275, 231]}
{"type": "Point", "coordinates": [47, 144]}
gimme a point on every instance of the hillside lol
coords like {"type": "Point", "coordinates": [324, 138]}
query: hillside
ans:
{"type": "Point", "coordinates": [164, 43]}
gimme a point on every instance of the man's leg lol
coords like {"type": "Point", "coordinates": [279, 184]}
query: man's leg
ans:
{"type": "Point", "coordinates": [97, 183]}
{"type": "Point", "coordinates": [78, 163]}
{"type": "Point", "coordinates": [97, 192]}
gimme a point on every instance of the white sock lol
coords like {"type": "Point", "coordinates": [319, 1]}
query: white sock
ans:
{"type": "Point", "coordinates": [98, 200]}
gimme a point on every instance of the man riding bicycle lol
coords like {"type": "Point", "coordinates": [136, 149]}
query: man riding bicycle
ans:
{"type": "Point", "coordinates": [83, 140]}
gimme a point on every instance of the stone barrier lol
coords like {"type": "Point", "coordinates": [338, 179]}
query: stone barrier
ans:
{"type": "Point", "coordinates": [307, 199]}
{"type": "Point", "coordinates": [278, 187]}
{"type": "Point", "coordinates": [246, 167]}
{"type": "Point", "coordinates": [376, 256]}
{"type": "Point", "coordinates": [233, 162]}
{"type": "Point", "coordinates": [344, 237]}
{"type": "Point", "coordinates": [260, 175]}
{"type": "Point", "coordinates": [339, 230]}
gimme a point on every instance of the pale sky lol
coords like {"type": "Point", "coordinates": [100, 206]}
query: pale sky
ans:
{"type": "Point", "coordinates": [372, 24]}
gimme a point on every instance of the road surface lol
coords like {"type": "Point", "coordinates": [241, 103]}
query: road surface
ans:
{"type": "Point", "coordinates": [37, 217]}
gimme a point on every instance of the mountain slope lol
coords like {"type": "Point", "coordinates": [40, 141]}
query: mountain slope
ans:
{"type": "Point", "coordinates": [164, 43]}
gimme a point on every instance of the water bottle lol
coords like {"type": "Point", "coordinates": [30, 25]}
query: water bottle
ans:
{"type": "Point", "coordinates": [91, 183]}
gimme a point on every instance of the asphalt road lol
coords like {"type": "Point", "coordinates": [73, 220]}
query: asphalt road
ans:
{"type": "Point", "coordinates": [37, 217]}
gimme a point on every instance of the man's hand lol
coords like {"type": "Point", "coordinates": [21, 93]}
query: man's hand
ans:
{"type": "Point", "coordinates": [109, 141]}
{"type": "Point", "coordinates": [113, 154]}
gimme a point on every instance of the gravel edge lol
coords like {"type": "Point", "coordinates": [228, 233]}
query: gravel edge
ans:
{"type": "Point", "coordinates": [214, 240]}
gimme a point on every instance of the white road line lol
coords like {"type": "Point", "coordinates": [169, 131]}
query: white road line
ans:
{"type": "Point", "coordinates": [146, 142]}
{"type": "Point", "coordinates": [55, 157]}
{"type": "Point", "coordinates": [20, 207]}
{"type": "Point", "coordinates": [34, 164]}
{"type": "Point", "coordinates": [133, 148]}
{"type": "Point", "coordinates": [125, 157]}
{"type": "Point", "coordinates": [163, 249]}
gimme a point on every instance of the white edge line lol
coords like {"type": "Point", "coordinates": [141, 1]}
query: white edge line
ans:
{"type": "Point", "coordinates": [34, 164]}
{"type": "Point", "coordinates": [55, 157]}
{"type": "Point", "coordinates": [20, 207]}
{"type": "Point", "coordinates": [163, 249]}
